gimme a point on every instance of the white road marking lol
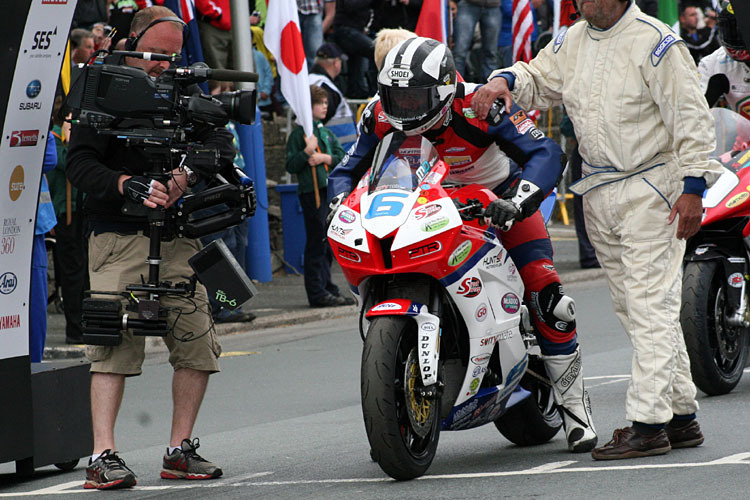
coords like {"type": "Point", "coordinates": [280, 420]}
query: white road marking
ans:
{"type": "Point", "coordinates": [552, 466]}
{"type": "Point", "coordinates": [549, 468]}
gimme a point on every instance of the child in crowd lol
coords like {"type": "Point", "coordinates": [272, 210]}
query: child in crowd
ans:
{"type": "Point", "coordinates": [311, 158]}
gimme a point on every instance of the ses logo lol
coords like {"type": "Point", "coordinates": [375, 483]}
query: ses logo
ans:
{"type": "Point", "coordinates": [470, 287]}
{"type": "Point", "coordinates": [8, 283]}
{"type": "Point", "coordinates": [43, 40]}
{"type": "Point", "coordinates": [33, 89]}
{"type": "Point", "coordinates": [24, 138]}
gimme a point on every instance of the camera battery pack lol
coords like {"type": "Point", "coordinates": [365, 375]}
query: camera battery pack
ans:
{"type": "Point", "coordinates": [101, 322]}
{"type": "Point", "coordinates": [222, 275]}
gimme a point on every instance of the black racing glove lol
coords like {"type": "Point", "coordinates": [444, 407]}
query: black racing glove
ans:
{"type": "Point", "coordinates": [502, 213]}
{"type": "Point", "coordinates": [336, 201]}
{"type": "Point", "coordinates": [138, 188]}
{"type": "Point", "coordinates": [517, 203]}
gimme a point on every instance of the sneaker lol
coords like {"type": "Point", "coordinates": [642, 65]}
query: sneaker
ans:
{"type": "Point", "coordinates": [629, 443]}
{"type": "Point", "coordinates": [185, 463]}
{"type": "Point", "coordinates": [108, 472]}
{"type": "Point", "coordinates": [686, 435]}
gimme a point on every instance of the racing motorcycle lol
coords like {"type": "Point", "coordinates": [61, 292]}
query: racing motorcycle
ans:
{"type": "Point", "coordinates": [448, 343]}
{"type": "Point", "coordinates": [715, 316]}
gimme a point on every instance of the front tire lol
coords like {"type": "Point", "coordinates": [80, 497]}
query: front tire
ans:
{"type": "Point", "coordinates": [536, 419]}
{"type": "Point", "coordinates": [402, 427]}
{"type": "Point", "coordinates": [717, 350]}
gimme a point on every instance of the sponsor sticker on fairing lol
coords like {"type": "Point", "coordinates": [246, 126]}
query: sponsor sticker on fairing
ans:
{"type": "Point", "coordinates": [427, 210]}
{"type": "Point", "coordinates": [386, 306]}
{"type": "Point", "coordinates": [347, 216]}
{"type": "Point", "coordinates": [481, 313]}
{"type": "Point", "coordinates": [460, 254]}
{"type": "Point", "coordinates": [470, 287]}
{"type": "Point", "coordinates": [510, 303]}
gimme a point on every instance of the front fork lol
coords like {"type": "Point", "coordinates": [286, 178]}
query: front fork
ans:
{"type": "Point", "coordinates": [735, 270]}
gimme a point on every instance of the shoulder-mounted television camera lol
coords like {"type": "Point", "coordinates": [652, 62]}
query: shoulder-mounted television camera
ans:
{"type": "Point", "coordinates": [160, 115]}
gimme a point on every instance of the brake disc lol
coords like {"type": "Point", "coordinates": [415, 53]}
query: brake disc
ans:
{"type": "Point", "coordinates": [421, 411]}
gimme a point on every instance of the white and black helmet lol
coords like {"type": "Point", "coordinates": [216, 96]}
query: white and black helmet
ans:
{"type": "Point", "coordinates": [417, 84]}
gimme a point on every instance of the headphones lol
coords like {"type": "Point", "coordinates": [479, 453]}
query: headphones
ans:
{"type": "Point", "coordinates": [132, 42]}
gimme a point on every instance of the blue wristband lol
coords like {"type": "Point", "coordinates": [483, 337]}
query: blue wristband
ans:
{"type": "Point", "coordinates": [694, 185]}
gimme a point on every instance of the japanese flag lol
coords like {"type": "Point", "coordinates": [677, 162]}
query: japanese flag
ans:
{"type": "Point", "coordinates": [282, 37]}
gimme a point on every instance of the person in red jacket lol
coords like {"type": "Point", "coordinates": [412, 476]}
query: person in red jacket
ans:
{"type": "Point", "coordinates": [215, 27]}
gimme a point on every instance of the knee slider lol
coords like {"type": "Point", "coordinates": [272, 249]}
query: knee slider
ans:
{"type": "Point", "coordinates": [555, 308]}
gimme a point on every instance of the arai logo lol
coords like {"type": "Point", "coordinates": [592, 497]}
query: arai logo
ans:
{"type": "Point", "coordinates": [8, 283]}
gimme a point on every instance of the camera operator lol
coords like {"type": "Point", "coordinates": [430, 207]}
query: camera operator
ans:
{"type": "Point", "coordinates": [111, 172]}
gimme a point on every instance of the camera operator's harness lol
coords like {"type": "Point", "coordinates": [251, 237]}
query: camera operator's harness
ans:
{"type": "Point", "coordinates": [155, 116]}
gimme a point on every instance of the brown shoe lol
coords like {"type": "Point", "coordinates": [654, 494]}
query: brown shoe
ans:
{"type": "Point", "coordinates": [629, 443]}
{"type": "Point", "coordinates": [685, 436]}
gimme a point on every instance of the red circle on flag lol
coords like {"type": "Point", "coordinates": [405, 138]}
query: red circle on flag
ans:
{"type": "Point", "coordinates": [292, 50]}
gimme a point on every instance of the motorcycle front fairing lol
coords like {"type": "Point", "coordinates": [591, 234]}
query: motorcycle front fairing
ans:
{"type": "Point", "coordinates": [407, 222]}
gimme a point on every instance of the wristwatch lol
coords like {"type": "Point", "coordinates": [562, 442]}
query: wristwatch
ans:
{"type": "Point", "coordinates": [192, 178]}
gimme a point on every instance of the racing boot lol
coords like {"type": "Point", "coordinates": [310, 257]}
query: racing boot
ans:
{"type": "Point", "coordinates": [567, 387]}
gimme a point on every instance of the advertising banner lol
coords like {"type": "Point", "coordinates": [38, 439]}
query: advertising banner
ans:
{"type": "Point", "coordinates": [35, 32]}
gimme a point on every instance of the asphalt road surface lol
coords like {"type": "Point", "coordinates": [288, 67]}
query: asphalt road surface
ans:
{"type": "Point", "coordinates": [283, 419]}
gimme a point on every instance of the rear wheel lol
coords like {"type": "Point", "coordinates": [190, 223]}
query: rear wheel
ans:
{"type": "Point", "coordinates": [717, 350]}
{"type": "Point", "coordinates": [402, 426]}
{"type": "Point", "coordinates": [536, 419]}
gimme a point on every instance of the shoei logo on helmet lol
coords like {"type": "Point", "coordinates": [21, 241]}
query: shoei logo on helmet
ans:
{"type": "Point", "coordinates": [400, 74]}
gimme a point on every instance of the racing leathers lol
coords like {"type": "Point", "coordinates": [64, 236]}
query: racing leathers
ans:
{"type": "Point", "coordinates": [473, 149]}
{"type": "Point", "coordinates": [737, 84]}
{"type": "Point", "coordinates": [644, 130]}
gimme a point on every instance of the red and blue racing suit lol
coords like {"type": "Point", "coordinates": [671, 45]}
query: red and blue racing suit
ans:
{"type": "Point", "coordinates": [473, 149]}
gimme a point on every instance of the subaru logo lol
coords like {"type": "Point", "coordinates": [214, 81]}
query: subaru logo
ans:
{"type": "Point", "coordinates": [33, 89]}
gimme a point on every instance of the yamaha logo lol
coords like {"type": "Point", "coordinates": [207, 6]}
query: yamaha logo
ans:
{"type": "Point", "coordinates": [400, 74]}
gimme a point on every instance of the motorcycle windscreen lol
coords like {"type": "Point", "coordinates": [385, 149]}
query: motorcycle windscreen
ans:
{"type": "Point", "coordinates": [732, 132]}
{"type": "Point", "coordinates": [401, 162]}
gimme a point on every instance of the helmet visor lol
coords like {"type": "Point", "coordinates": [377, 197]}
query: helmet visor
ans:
{"type": "Point", "coordinates": [405, 105]}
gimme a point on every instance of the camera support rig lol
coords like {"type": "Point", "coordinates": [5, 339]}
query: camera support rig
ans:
{"type": "Point", "coordinates": [159, 128]}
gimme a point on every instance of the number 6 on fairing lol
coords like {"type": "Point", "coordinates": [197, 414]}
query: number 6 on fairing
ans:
{"type": "Point", "coordinates": [383, 204]}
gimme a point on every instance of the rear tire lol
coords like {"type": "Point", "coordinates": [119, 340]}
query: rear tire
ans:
{"type": "Point", "coordinates": [387, 400]}
{"type": "Point", "coordinates": [717, 351]}
{"type": "Point", "coordinates": [536, 419]}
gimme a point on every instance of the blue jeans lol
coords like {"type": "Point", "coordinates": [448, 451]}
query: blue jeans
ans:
{"type": "Point", "coordinates": [311, 26]}
{"type": "Point", "coordinates": [489, 19]}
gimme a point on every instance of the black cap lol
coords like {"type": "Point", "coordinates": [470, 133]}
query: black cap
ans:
{"type": "Point", "coordinates": [330, 51]}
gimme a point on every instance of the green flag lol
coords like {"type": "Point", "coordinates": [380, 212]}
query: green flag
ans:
{"type": "Point", "coordinates": [668, 11]}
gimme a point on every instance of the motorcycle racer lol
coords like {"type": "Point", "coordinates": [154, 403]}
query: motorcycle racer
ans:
{"type": "Point", "coordinates": [419, 95]}
{"type": "Point", "coordinates": [726, 71]}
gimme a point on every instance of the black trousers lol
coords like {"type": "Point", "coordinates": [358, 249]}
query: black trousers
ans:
{"type": "Point", "coordinates": [586, 254]}
{"type": "Point", "coordinates": [318, 255]}
{"type": "Point", "coordinates": [71, 268]}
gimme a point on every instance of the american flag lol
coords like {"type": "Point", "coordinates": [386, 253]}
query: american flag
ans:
{"type": "Point", "coordinates": [523, 26]}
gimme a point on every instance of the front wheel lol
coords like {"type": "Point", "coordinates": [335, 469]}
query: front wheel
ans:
{"type": "Point", "coordinates": [536, 419]}
{"type": "Point", "coordinates": [402, 426]}
{"type": "Point", "coordinates": [717, 350]}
